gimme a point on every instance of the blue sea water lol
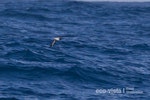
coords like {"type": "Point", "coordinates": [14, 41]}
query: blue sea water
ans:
{"type": "Point", "coordinates": [106, 46]}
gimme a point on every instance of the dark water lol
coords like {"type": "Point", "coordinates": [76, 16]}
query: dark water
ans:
{"type": "Point", "coordinates": [107, 46]}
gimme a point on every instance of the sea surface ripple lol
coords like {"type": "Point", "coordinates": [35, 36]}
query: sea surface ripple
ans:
{"type": "Point", "coordinates": [106, 45]}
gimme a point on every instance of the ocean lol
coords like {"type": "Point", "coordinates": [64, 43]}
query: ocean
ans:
{"type": "Point", "coordinates": [104, 53]}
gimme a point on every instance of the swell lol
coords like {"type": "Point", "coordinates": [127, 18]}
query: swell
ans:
{"type": "Point", "coordinates": [41, 9]}
{"type": "Point", "coordinates": [26, 54]}
{"type": "Point", "coordinates": [8, 98]}
{"type": "Point", "coordinates": [74, 73]}
{"type": "Point", "coordinates": [112, 0]}
{"type": "Point", "coordinates": [26, 15]}
{"type": "Point", "coordinates": [101, 76]}
{"type": "Point", "coordinates": [141, 46]}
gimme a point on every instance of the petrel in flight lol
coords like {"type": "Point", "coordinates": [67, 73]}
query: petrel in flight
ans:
{"type": "Point", "coordinates": [54, 41]}
{"type": "Point", "coordinates": [59, 38]}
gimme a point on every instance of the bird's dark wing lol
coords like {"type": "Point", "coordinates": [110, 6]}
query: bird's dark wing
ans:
{"type": "Point", "coordinates": [52, 44]}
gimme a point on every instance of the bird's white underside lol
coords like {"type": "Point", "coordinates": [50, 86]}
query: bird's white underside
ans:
{"type": "Point", "coordinates": [57, 38]}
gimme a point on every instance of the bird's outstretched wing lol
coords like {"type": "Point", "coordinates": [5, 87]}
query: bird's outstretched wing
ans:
{"type": "Point", "coordinates": [52, 44]}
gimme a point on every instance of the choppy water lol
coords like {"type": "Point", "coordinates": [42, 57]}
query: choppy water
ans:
{"type": "Point", "coordinates": [107, 46]}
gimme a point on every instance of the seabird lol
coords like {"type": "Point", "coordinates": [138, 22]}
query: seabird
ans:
{"type": "Point", "coordinates": [54, 40]}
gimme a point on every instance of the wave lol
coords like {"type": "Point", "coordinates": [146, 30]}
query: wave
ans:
{"type": "Point", "coordinates": [114, 0]}
{"type": "Point", "coordinates": [144, 47]}
{"type": "Point", "coordinates": [67, 72]}
{"type": "Point", "coordinates": [8, 98]}
{"type": "Point", "coordinates": [85, 74]}
{"type": "Point", "coordinates": [26, 15]}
